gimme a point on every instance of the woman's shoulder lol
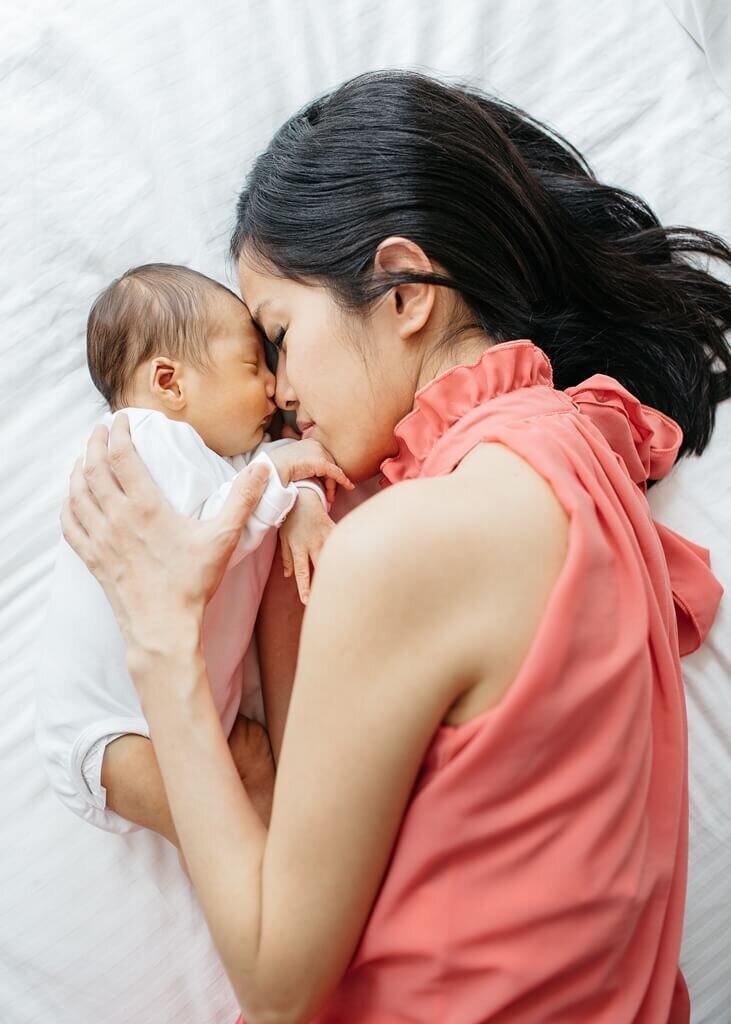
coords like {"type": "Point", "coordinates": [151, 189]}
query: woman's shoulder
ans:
{"type": "Point", "coordinates": [465, 563]}
{"type": "Point", "coordinates": [492, 498]}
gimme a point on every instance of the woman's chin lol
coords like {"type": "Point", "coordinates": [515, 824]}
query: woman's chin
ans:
{"type": "Point", "coordinates": [361, 470]}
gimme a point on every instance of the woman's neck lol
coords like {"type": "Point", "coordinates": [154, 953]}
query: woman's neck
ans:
{"type": "Point", "coordinates": [466, 349]}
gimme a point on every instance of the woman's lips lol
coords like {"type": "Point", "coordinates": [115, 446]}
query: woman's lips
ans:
{"type": "Point", "coordinates": [305, 427]}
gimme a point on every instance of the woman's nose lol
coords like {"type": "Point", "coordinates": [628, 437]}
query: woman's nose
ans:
{"type": "Point", "coordinates": [285, 396]}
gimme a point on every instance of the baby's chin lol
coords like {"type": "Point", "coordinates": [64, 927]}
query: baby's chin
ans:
{"type": "Point", "coordinates": [241, 445]}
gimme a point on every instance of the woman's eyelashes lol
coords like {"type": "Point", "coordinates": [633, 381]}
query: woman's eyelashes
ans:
{"type": "Point", "coordinates": [279, 339]}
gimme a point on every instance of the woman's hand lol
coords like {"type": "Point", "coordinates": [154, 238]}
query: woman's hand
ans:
{"type": "Point", "coordinates": [158, 568]}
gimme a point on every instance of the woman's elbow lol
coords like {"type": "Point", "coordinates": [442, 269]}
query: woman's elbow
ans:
{"type": "Point", "coordinates": [279, 1007]}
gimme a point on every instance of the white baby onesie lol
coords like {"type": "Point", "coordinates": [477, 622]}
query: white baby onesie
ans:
{"type": "Point", "coordinates": [85, 696]}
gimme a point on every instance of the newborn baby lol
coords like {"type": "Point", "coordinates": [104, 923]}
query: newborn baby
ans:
{"type": "Point", "coordinates": [180, 355]}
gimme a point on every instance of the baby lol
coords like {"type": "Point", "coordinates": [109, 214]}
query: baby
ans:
{"type": "Point", "coordinates": [180, 354]}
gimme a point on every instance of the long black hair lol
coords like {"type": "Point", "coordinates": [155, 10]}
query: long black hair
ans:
{"type": "Point", "coordinates": [535, 246]}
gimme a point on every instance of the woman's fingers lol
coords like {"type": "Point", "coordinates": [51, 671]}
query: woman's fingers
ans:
{"type": "Point", "coordinates": [243, 498]}
{"type": "Point", "coordinates": [74, 533]}
{"type": "Point", "coordinates": [131, 474]}
{"type": "Point", "coordinates": [81, 500]}
{"type": "Point", "coordinates": [100, 479]}
{"type": "Point", "coordinates": [82, 503]}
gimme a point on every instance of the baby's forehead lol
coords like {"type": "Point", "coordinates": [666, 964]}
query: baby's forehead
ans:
{"type": "Point", "coordinates": [232, 315]}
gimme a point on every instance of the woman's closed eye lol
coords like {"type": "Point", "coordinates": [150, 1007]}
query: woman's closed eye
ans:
{"type": "Point", "coordinates": [279, 340]}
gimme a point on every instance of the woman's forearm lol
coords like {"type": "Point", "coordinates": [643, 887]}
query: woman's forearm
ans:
{"type": "Point", "coordinates": [220, 834]}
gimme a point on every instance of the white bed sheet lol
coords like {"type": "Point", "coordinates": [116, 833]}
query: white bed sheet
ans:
{"type": "Point", "coordinates": [125, 130]}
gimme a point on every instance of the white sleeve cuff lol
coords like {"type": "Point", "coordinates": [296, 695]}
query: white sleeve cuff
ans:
{"type": "Point", "coordinates": [277, 500]}
{"type": "Point", "coordinates": [85, 767]}
{"type": "Point", "coordinates": [312, 485]}
{"type": "Point", "coordinates": [91, 768]}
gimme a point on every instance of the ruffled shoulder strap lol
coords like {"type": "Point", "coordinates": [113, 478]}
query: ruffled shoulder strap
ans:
{"type": "Point", "coordinates": [696, 591]}
{"type": "Point", "coordinates": [648, 443]}
{"type": "Point", "coordinates": [645, 439]}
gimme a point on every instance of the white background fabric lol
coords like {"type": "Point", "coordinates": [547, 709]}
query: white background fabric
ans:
{"type": "Point", "coordinates": [125, 131]}
{"type": "Point", "coordinates": [708, 22]}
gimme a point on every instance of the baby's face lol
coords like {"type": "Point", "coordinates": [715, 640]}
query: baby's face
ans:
{"type": "Point", "coordinates": [231, 402]}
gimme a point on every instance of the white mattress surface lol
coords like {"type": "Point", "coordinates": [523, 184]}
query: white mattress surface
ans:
{"type": "Point", "coordinates": [125, 131]}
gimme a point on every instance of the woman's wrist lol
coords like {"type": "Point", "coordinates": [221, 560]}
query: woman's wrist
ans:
{"type": "Point", "coordinates": [173, 655]}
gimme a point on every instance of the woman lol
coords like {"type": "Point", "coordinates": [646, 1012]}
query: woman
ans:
{"type": "Point", "coordinates": [480, 806]}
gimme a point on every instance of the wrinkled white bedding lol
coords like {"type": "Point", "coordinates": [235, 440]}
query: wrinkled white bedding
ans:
{"type": "Point", "coordinates": [125, 130]}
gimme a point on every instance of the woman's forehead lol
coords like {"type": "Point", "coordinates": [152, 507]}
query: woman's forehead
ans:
{"type": "Point", "coordinates": [270, 295]}
{"type": "Point", "coordinates": [256, 284]}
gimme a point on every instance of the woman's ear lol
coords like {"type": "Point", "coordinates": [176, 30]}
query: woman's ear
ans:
{"type": "Point", "coordinates": [410, 304]}
{"type": "Point", "coordinates": [166, 382]}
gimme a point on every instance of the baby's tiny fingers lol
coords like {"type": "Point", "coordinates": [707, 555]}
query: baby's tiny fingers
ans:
{"type": "Point", "coordinates": [286, 556]}
{"type": "Point", "coordinates": [333, 472]}
{"type": "Point", "coordinates": [302, 574]}
{"type": "Point", "coordinates": [316, 551]}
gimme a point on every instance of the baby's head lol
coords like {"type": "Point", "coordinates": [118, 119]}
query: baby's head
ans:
{"type": "Point", "coordinates": [168, 338]}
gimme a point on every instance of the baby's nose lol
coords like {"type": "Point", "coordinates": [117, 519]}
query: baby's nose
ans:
{"type": "Point", "coordinates": [270, 384]}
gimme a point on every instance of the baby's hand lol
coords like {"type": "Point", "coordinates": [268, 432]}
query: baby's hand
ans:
{"type": "Point", "coordinates": [302, 536]}
{"type": "Point", "coordinates": [305, 459]}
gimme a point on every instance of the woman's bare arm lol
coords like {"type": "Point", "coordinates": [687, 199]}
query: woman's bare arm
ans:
{"type": "Point", "coordinates": [136, 791]}
{"type": "Point", "coordinates": [416, 601]}
{"type": "Point", "coordinates": [404, 616]}
{"type": "Point", "coordinates": [371, 689]}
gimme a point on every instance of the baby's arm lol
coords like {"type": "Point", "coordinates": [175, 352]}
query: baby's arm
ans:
{"type": "Point", "coordinates": [134, 785]}
{"type": "Point", "coordinates": [135, 790]}
{"type": "Point", "coordinates": [302, 538]}
{"type": "Point", "coordinates": [290, 464]}
{"type": "Point", "coordinates": [274, 505]}
{"type": "Point", "coordinates": [299, 460]}
{"type": "Point", "coordinates": [308, 526]}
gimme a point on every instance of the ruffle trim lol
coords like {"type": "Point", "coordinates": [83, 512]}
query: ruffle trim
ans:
{"type": "Point", "coordinates": [446, 399]}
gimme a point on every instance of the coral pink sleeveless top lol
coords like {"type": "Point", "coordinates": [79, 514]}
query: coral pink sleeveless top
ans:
{"type": "Point", "coordinates": [539, 874]}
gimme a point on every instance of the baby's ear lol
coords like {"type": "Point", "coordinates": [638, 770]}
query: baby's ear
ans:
{"type": "Point", "coordinates": [165, 377]}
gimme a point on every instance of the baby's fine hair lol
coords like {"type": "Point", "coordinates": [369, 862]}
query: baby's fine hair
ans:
{"type": "Point", "coordinates": [155, 309]}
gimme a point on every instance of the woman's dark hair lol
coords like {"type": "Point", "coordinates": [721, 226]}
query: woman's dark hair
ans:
{"type": "Point", "coordinates": [535, 246]}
